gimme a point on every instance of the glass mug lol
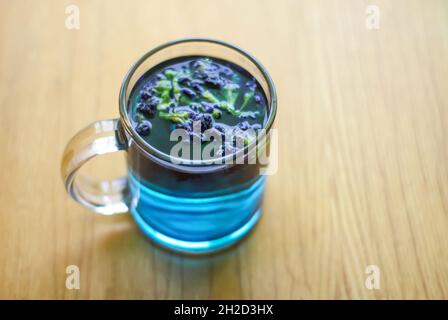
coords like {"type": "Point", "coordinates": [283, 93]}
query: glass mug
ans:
{"type": "Point", "coordinates": [190, 207]}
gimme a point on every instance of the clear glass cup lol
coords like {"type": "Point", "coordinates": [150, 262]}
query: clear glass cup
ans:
{"type": "Point", "coordinates": [191, 207]}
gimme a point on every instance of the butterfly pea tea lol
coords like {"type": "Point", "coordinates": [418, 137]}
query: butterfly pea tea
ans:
{"type": "Point", "coordinates": [219, 97]}
{"type": "Point", "coordinates": [190, 100]}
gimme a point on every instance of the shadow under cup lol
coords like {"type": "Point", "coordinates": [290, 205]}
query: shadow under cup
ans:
{"type": "Point", "coordinates": [190, 207]}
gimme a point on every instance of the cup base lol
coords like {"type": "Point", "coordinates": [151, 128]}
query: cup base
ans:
{"type": "Point", "coordinates": [195, 247]}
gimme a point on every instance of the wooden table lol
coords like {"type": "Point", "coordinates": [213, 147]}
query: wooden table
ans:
{"type": "Point", "coordinates": [363, 150]}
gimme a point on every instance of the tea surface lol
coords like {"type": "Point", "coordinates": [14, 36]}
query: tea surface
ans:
{"type": "Point", "coordinates": [201, 95]}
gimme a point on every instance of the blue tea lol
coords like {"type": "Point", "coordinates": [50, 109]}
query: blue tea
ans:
{"type": "Point", "coordinates": [195, 123]}
{"type": "Point", "coordinates": [205, 207]}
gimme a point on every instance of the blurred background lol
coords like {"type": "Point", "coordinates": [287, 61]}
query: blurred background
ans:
{"type": "Point", "coordinates": [363, 153]}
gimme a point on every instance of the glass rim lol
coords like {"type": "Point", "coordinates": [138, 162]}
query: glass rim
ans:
{"type": "Point", "coordinates": [126, 123]}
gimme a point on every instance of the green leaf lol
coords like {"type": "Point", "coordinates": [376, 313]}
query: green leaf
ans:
{"type": "Point", "coordinates": [203, 64]}
{"type": "Point", "coordinates": [176, 89]}
{"type": "Point", "coordinates": [163, 88]}
{"type": "Point", "coordinates": [163, 105]}
{"type": "Point", "coordinates": [247, 96]}
{"type": "Point", "coordinates": [184, 100]}
{"type": "Point", "coordinates": [162, 85]}
{"type": "Point", "coordinates": [229, 108]}
{"type": "Point", "coordinates": [178, 117]}
{"type": "Point", "coordinates": [170, 74]}
{"type": "Point", "coordinates": [216, 114]}
{"type": "Point", "coordinates": [231, 93]}
{"type": "Point", "coordinates": [209, 96]}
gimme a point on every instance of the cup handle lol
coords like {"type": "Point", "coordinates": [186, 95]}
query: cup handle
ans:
{"type": "Point", "coordinates": [104, 197]}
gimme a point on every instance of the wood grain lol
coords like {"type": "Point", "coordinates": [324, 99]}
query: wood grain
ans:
{"type": "Point", "coordinates": [363, 153]}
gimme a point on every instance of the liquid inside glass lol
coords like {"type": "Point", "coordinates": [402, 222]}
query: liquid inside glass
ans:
{"type": "Point", "coordinates": [195, 209]}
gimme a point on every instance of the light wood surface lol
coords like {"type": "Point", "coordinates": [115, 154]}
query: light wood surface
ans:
{"type": "Point", "coordinates": [363, 152]}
